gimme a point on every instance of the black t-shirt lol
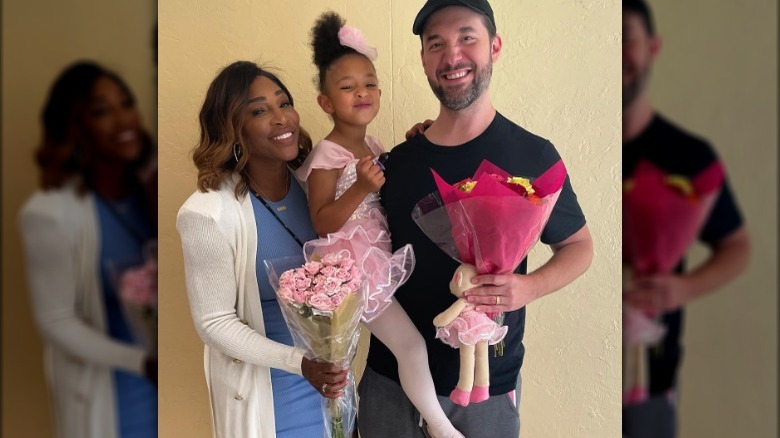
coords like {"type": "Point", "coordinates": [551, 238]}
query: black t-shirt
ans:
{"type": "Point", "coordinates": [678, 152]}
{"type": "Point", "coordinates": [426, 293]}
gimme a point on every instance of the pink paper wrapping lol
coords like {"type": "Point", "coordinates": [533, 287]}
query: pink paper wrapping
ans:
{"type": "Point", "coordinates": [659, 223]}
{"type": "Point", "coordinates": [494, 227]}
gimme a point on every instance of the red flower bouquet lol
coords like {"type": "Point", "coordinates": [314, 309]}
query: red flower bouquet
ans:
{"type": "Point", "coordinates": [662, 215]}
{"type": "Point", "coordinates": [490, 221]}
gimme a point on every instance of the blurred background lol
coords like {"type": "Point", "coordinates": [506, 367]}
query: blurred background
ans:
{"type": "Point", "coordinates": [716, 76]}
{"type": "Point", "coordinates": [39, 39]}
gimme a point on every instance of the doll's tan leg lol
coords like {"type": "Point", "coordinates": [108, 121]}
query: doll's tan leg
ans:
{"type": "Point", "coordinates": [462, 393]}
{"type": "Point", "coordinates": [481, 390]}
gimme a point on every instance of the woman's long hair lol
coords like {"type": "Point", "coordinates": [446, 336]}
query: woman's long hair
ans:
{"type": "Point", "coordinates": [221, 122]}
{"type": "Point", "coordinates": [63, 153]}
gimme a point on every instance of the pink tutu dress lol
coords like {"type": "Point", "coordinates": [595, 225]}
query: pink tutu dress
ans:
{"type": "Point", "coordinates": [365, 235]}
{"type": "Point", "coordinates": [471, 327]}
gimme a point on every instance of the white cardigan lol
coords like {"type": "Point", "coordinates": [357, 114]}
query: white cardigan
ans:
{"type": "Point", "coordinates": [61, 240]}
{"type": "Point", "coordinates": [219, 240]}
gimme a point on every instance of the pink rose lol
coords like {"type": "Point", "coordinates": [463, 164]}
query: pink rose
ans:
{"type": "Point", "coordinates": [298, 296]}
{"type": "Point", "coordinates": [342, 274]}
{"type": "Point", "coordinates": [319, 288]}
{"type": "Point", "coordinates": [302, 283]}
{"type": "Point", "coordinates": [328, 271]}
{"type": "Point", "coordinates": [320, 301]}
{"type": "Point", "coordinates": [331, 286]}
{"type": "Point", "coordinates": [312, 267]}
{"type": "Point", "coordinates": [138, 286]}
{"type": "Point", "coordinates": [336, 300]}
{"type": "Point", "coordinates": [300, 272]}
{"type": "Point", "coordinates": [287, 281]}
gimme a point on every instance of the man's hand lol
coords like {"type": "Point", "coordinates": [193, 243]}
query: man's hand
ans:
{"type": "Point", "coordinates": [418, 128]}
{"type": "Point", "coordinates": [502, 292]}
{"type": "Point", "coordinates": [656, 294]}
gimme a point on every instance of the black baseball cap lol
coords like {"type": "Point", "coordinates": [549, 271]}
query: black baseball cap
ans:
{"type": "Point", "coordinates": [431, 6]}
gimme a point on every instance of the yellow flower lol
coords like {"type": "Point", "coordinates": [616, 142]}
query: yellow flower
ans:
{"type": "Point", "coordinates": [467, 186]}
{"type": "Point", "coordinates": [681, 183]}
{"type": "Point", "coordinates": [525, 182]}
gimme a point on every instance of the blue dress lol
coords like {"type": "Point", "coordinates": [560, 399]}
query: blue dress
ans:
{"type": "Point", "coordinates": [297, 408]}
{"type": "Point", "coordinates": [123, 229]}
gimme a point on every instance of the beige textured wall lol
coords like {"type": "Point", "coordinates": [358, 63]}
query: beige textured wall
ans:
{"type": "Point", "coordinates": [39, 40]}
{"type": "Point", "coordinates": [717, 76]}
{"type": "Point", "coordinates": [558, 76]}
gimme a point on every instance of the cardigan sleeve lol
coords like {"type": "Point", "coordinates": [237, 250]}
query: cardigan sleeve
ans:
{"type": "Point", "coordinates": [209, 267]}
{"type": "Point", "coordinates": [51, 267]}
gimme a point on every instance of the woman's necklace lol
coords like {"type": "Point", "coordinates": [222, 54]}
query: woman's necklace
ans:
{"type": "Point", "coordinates": [260, 192]}
{"type": "Point", "coordinates": [270, 210]}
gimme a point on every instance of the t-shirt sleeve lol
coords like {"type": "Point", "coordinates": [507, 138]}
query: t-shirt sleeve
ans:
{"type": "Point", "coordinates": [724, 219]}
{"type": "Point", "coordinates": [567, 217]}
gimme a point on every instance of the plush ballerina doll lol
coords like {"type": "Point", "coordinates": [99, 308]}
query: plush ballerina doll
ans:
{"type": "Point", "coordinates": [461, 326]}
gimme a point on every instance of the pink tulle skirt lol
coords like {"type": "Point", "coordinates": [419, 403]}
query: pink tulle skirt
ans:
{"type": "Point", "coordinates": [368, 242]}
{"type": "Point", "coordinates": [469, 328]}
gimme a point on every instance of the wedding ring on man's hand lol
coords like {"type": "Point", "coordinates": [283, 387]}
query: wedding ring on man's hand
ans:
{"type": "Point", "coordinates": [498, 300]}
{"type": "Point", "coordinates": [324, 387]}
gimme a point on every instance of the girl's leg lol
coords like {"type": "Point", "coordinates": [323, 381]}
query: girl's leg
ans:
{"type": "Point", "coordinates": [394, 328]}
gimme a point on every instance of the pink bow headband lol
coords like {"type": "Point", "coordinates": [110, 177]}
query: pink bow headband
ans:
{"type": "Point", "coordinates": [351, 37]}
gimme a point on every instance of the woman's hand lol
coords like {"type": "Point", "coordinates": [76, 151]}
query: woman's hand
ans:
{"type": "Point", "coordinates": [369, 175]}
{"type": "Point", "coordinates": [328, 379]}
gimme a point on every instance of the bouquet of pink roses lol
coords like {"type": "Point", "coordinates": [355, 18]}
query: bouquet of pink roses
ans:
{"type": "Point", "coordinates": [137, 289]}
{"type": "Point", "coordinates": [322, 302]}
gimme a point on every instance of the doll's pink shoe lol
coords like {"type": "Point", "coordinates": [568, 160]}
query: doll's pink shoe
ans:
{"type": "Point", "coordinates": [460, 397]}
{"type": "Point", "coordinates": [479, 394]}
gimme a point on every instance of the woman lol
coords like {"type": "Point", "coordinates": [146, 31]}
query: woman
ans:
{"type": "Point", "coordinates": [90, 220]}
{"type": "Point", "coordinates": [249, 207]}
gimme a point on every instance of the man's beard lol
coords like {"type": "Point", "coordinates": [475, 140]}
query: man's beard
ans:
{"type": "Point", "coordinates": [632, 90]}
{"type": "Point", "coordinates": [456, 100]}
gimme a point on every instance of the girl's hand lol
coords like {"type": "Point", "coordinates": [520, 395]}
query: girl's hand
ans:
{"type": "Point", "coordinates": [369, 176]}
{"type": "Point", "coordinates": [327, 378]}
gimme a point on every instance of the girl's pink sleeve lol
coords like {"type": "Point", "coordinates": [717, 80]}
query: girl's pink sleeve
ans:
{"type": "Point", "coordinates": [325, 155]}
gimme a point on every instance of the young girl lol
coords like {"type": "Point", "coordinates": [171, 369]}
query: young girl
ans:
{"type": "Point", "coordinates": [343, 178]}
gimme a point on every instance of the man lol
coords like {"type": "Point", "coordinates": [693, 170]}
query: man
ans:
{"type": "Point", "coordinates": [459, 46]}
{"type": "Point", "coordinates": [648, 136]}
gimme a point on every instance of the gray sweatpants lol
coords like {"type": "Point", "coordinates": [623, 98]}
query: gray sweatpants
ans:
{"type": "Point", "coordinates": [385, 412]}
{"type": "Point", "coordinates": [655, 418]}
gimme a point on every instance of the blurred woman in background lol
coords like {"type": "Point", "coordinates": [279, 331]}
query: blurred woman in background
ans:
{"type": "Point", "coordinates": [91, 221]}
